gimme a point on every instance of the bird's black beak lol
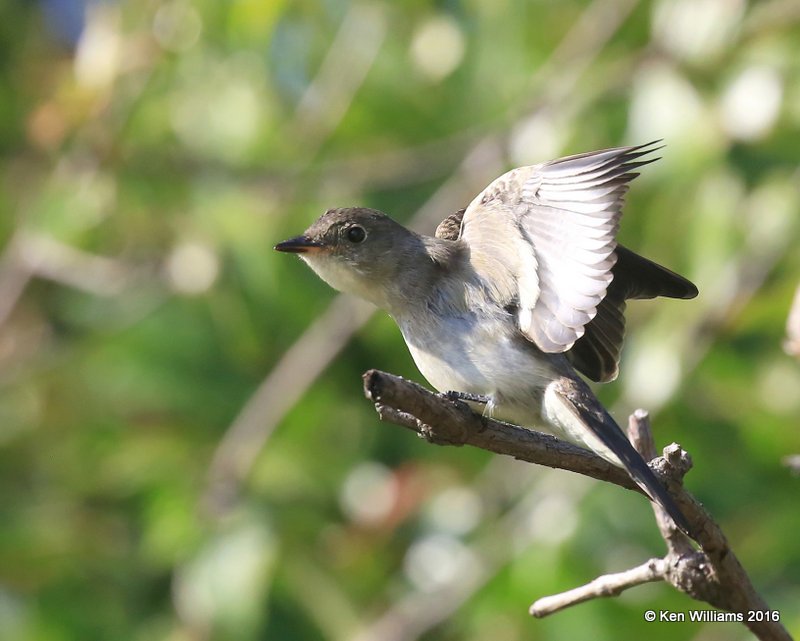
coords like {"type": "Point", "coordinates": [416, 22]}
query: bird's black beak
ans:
{"type": "Point", "coordinates": [299, 245]}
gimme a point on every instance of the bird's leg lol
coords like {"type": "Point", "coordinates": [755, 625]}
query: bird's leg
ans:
{"type": "Point", "coordinates": [466, 396]}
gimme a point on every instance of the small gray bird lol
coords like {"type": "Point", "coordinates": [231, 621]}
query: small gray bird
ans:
{"type": "Point", "coordinates": [513, 295]}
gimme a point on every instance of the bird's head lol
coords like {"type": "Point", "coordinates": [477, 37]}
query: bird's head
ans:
{"type": "Point", "coordinates": [355, 250]}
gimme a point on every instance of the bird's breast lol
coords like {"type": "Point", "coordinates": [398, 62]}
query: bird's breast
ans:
{"type": "Point", "coordinates": [479, 353]}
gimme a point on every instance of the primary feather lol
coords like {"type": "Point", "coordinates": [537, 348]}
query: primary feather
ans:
{"type": "Point", "coordinates": [572, 289]}
{"type": "Point", "coordinates": [553, 226]}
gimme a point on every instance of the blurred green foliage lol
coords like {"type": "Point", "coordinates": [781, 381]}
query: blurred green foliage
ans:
{"type": "Point", "coordinates": [151, 153]}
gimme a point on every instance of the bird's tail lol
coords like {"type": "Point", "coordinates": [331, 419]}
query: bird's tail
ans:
{"type": "Point", "coordinates": [638, 277]}
{"type": "Point", "coordinates": [570, 404]}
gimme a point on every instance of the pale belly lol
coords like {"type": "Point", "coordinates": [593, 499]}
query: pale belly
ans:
{"type": "Point", "coordinates": [482, 357]}
{"type": "Point", "coordinates": [486, 357]}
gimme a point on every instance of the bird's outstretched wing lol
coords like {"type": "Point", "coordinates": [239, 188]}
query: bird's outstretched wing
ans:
{"type": "Point", "coordinates": [596, 353]}
{"type": "Point", "coordinates": [549, 231]}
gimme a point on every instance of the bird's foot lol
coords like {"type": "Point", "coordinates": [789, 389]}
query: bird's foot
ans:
{"type": "Point", "coordinates": [466, 396]}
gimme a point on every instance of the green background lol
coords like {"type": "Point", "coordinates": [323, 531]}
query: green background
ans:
{"type": "Point", "coordinates": [185, 450]}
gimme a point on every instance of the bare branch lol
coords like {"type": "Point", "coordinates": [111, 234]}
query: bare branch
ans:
{"type": "Point", "coordinates": [46, 257]}
{"type": "Point", "coordinates": [641, 436]}
{"type": "Point", "coordinates": [277, 394]}
{"type": "Point", "coordinates": [14, 277]}
{"type": "Point", "coordinates": [603, 586]}
{"type": "Point", "coordinates": [347, 62]}
{"type": "Point", "coordinates": [713, 574]}
{"type": "Point", "coordinates": [445, 422]}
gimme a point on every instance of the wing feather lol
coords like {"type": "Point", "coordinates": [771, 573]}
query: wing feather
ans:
{"type": "Point", "coordinates": [596, 354]}
{"type": "Point", "coordinates": [561, 219]}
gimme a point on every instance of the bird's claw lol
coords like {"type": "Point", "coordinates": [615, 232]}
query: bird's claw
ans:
{"type": "Point", "coordinates": [466, 396]}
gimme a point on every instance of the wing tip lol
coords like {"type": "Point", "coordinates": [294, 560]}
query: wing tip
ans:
{"type": "Point", "coordinates": [612, 160]}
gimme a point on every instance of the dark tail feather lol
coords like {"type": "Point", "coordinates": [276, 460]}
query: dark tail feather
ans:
{"type": "Point", "coordinates": [637, 277]}
{"type": "Point", "coordinates": [596, 353]}
{"type": "Point", "coordinates": [594, 416]}
{"type": "Point", "coordinates": [641, 473]}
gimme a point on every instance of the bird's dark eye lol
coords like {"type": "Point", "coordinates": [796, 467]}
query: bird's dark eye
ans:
{"type": "Point", "coordinates": [356, 234]}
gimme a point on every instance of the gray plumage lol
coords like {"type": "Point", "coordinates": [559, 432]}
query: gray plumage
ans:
{"type": "Point", "coordinates": [597, 352]}
{"type": "Point", "coordinates": [513, 293]}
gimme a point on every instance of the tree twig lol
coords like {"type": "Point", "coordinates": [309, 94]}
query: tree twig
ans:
{"type": "Point", "coordinates": [641, 436]}
{"type": "Point", "coordinates": [445, 422]}
{"type": "Point", "coordinates": [712, 574]}
{"type": "Point", "coordinates": [603, 586]}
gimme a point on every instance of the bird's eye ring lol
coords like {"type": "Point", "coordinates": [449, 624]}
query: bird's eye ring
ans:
{"type": "Point", "coordinates": [356, 234]}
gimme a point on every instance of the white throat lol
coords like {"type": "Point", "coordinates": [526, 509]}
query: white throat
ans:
{"type": "Point", "coordinates": [345, 278]}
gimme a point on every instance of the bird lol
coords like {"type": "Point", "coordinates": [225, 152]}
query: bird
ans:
{"type": "Point", "coordinates": [515, 296]}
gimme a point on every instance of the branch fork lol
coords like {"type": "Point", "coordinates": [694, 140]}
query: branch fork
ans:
{"type": "Point", "coordinates": [705, 569]}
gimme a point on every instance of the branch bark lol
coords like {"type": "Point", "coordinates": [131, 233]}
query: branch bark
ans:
{"type": "Point", "coordinates": [602, 586]}
{"type": "Point", "coordinates": [711, 574]}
